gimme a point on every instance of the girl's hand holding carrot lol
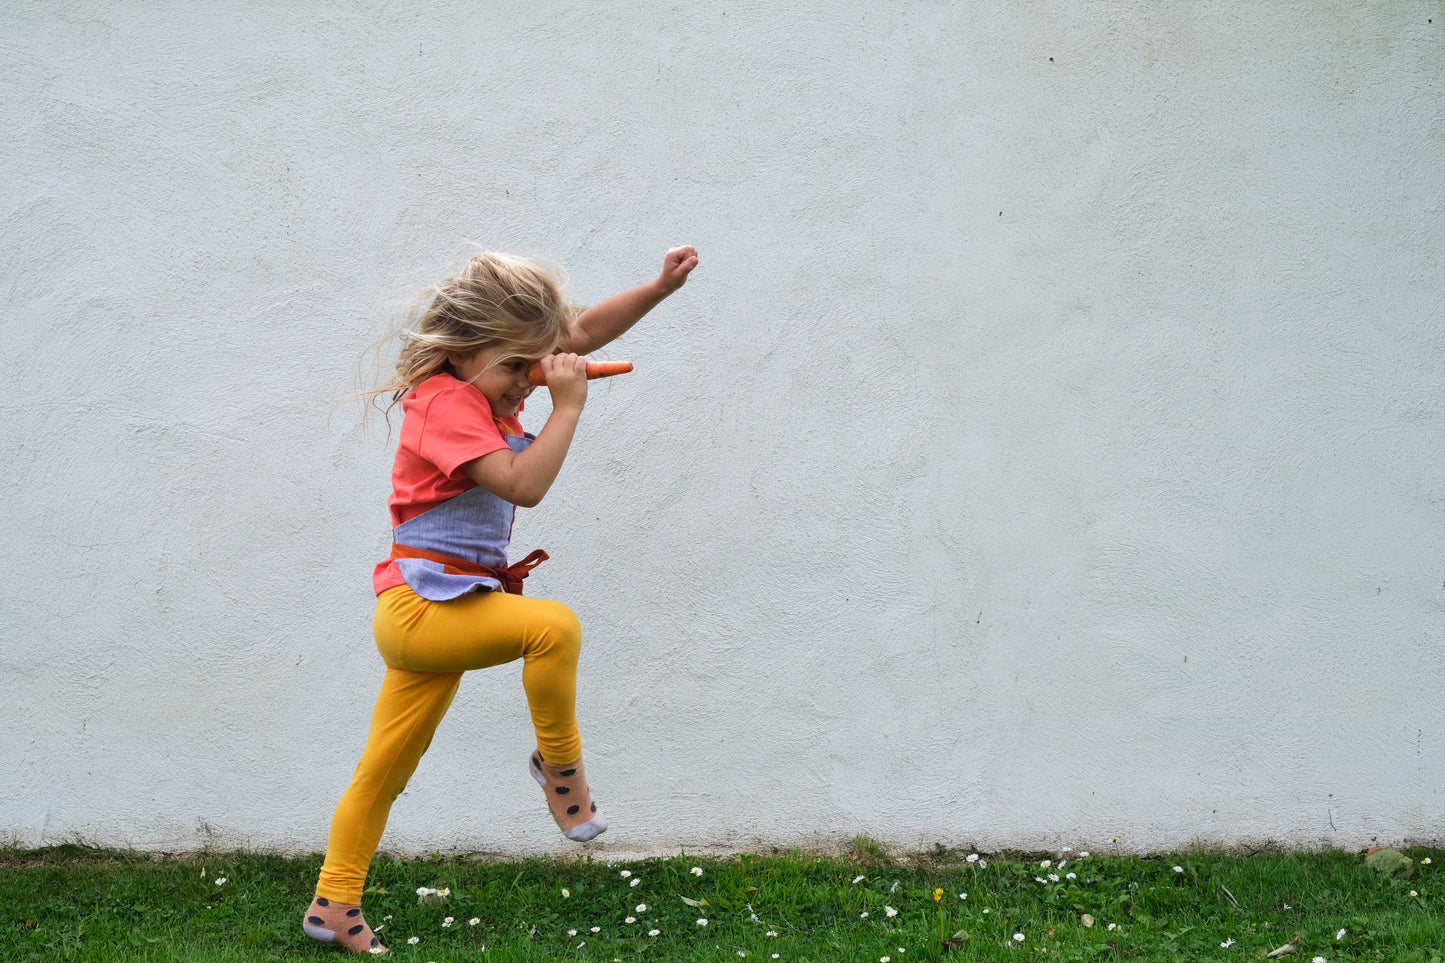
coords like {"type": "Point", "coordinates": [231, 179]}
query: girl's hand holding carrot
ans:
{"type": "Point", "coordinates": [566, 378]}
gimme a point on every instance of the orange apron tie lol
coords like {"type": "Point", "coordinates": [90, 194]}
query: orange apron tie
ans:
{"type": "Point", "coordinates": [510, 577]}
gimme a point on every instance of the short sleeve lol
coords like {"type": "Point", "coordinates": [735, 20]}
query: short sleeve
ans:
{"type": "Point", "coordinates": [456, 427]}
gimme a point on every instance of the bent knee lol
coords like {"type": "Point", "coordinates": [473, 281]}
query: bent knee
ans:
{"type": "Point", "coordinates": [558, 629]}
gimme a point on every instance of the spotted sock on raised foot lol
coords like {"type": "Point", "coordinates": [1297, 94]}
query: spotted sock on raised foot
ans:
{"type": "Point", "coordinates": [567, 797]}
{"type": "Point", "coordinates": [340, 923]}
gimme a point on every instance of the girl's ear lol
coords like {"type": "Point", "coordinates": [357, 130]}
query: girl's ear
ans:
{"type": "Point", "coordinates": [459, 357]}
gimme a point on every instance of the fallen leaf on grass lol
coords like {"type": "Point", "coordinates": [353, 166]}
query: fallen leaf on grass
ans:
{"type": "Point", "coordinates": [1285, 950]}
{"type": "Point", "coordinates": [1087, 920]}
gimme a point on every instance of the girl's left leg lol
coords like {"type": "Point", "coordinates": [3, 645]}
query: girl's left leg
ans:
{"type": "Point", "coordinates": [408, 710]}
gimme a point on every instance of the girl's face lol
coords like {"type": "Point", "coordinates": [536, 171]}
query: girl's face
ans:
{"type": "Point", "coordinates": [504, 383]}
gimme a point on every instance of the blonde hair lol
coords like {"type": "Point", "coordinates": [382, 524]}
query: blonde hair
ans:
{"type": "Point", "coordinates": [496, 299]}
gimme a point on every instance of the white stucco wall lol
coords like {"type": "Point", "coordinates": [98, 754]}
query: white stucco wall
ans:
{"type": "Point", "coordinates": [1048, 449]}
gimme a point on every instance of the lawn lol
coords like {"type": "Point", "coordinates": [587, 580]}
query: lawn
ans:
{"type": "Point", "coordinates": [74, 902]}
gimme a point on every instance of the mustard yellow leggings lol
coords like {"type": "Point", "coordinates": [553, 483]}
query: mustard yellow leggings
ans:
{"type": "Point", "coordinates": [427, 646]}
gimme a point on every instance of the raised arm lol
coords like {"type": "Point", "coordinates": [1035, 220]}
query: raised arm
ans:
{"type": "Point", "coordinates": [606, 320]}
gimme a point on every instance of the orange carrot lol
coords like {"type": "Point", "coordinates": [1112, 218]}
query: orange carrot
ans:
{"type": "Point", "coordinates": [595, 369]}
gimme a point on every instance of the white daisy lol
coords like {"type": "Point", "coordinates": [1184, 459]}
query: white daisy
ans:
{"type": "Point", "coordinates": [702, 922]}
{"type": "Point", "coordinates": [696, 871]}
{"type": "Point", "coordinates": [890, 911]}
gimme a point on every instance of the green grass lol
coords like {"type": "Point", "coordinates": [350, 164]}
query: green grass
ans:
{"type": "Point", "coordinates": [77, 903]}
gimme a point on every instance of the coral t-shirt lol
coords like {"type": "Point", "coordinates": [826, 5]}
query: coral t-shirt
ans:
{"type": "Point", "coordinates": [445, 424]}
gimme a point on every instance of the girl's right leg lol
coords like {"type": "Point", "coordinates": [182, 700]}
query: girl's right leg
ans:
{"type": "Point", "coordinates": [487, 629]}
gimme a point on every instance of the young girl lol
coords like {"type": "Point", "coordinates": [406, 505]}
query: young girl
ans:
{"type": "Point", "coordinates": [447, 601]}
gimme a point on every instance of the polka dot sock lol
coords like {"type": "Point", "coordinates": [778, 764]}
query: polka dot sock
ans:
{"type": "Point", "coordinates": [342, 923]}
{"type": "Point", "coordinates": [572, 807]}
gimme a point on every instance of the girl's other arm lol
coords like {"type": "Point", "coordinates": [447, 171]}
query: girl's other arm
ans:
{"type": "Point", "coordinates": [607, 320]}
{"type": "Point", "coordinates": [523, 479]}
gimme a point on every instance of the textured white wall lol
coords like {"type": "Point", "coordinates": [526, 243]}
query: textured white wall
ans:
{"type": "Point", "coordinates": [1048, 449]}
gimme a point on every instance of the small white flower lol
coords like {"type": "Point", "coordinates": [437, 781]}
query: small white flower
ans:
{"type": "Point", "coordinates": [859, 879]}
{"type": "Point", "coordinates": [1066, 849]}
{"type": "Point", "coordinates": [983, 864]}
{"type": "Point", "coordinates": [1046, 863]}
{"type": "Point", "coordinates": [1054, 877]}
{"type": "Point", "coordinates": [1070, 876]}
{"type": "Point", "coordinates": [890, 911]}
{"type": "Point", "coordinates": [376, 951]}
{"type": "Point", "coordinates": [986, 911]}
{"type": "Point", "coordinates": [447, 921]}
{"type": "Point", "coordinates": [884, 959]}
{"type": "Point", "coordinates": [422, 891]}
{"type": "Point", "coordinates": [1426, 860]}
{"type": "Point", "coordinates": [1018, 937]}
{"type": "Point", "coordinates": [1112, 926]}
{"type": "Point", "coordinates": [641, 908]}
{"type": "Point", "coordinates": [445, 891]}
{"type": "Point", "coordinates": [630, 919]}
{"type": "Point", "coordinates": [221, 881]}
{"type": "Point", "coordinates": [696, 871]}
{"type": "Point", "coordinates": [635, 881]}
{"type": "Point", "coordinates": [1413, 893]}
{"type": "Point", "coordinates": [1083, 854]}
{"type": "Point", "coordinates": [566, 893]}
{"type": "Point", "coordinates": [1318, 959]}
{"type": "Point", "coordinates": [1286, 906]}
{"type": "Point", "coordinates": [772, 932]}
{"type": "Point", "coordinates": [972, 857]}
{"type": "Point", "coordinates": [597, 929]}
{"type": "Point", "coordinates": [414, 940]}
{"type": "Point", "coordinates": [775, 956]}
{"type": "Point", "coordinates": [626, 873]}
{"type": "Point", "coordinates": [863, 915]}
{"type": "Point", "coordinates": [1340, 935]}
{"type": "Point", "coordinates": [1227, 943]}
{"type": "Point", "coordinates": [571, 932]}
{"type": "Point", "coordinates": [387, 916]}
{"type": "Point", "coordinates": [653, 932]}
{"type": "Point", "coordinates": [1038, 879]}
{"type": "Point", "coordinates": [741, 953]}
{"type": "Point", "coordinates": [1063, 862]}
{"type": "Point", "coordinates": [1178, 869]}
{"type": "Point", "coordinates": [702, 922]}
{"type": "Point", "coordinates": [963, 896]}
{"type": "Point", "coordinates": [473, 921]}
